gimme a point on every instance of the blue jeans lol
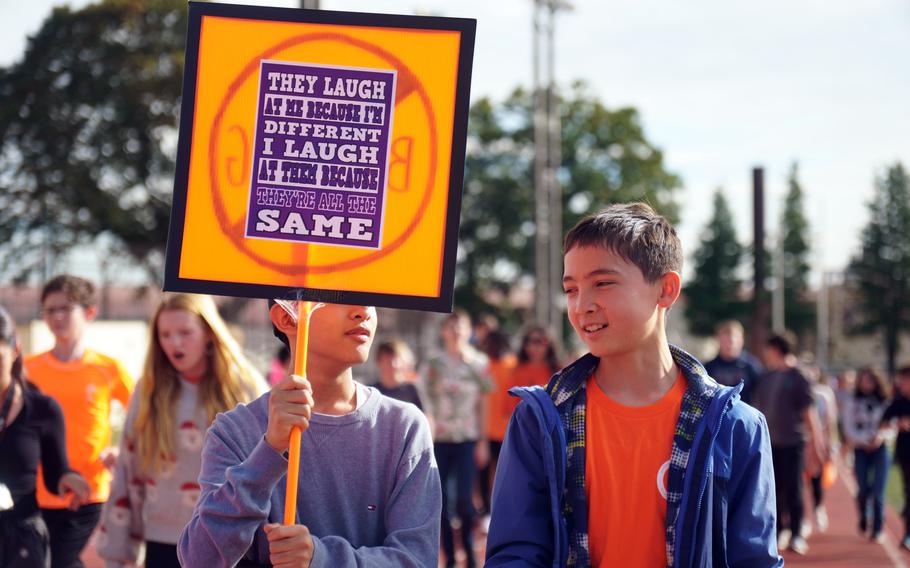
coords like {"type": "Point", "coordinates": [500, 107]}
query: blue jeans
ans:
{"type": "Point", "coordinates": [871, 476]}
{"type": "Point", "coordinates": [457, 461]}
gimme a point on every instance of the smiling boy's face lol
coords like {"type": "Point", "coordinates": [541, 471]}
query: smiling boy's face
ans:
{"type": "Point", "coordinates": [610, 305]}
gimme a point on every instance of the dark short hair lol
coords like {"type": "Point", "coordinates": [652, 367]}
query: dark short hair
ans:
{"type": "Point", "coordinates": [496, 345]}
{"type": "Point", "coordinates": [277, 332]}
{"type": "Point", "coordinates": [636, 233]}
{"type": "Point", "coordinates": [904, 371]}
{"type": "Point", "coordinates": [730, 324]}
{"type": "Point", "coordinates": [79, 290]}
{"type": "Point", "coordinates": [784, 342]}
{"type": "Point", "coordinates": [393, 347]}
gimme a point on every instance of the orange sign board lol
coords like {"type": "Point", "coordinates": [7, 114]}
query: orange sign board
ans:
{"type": "Point", "coordinates": [320, 156]}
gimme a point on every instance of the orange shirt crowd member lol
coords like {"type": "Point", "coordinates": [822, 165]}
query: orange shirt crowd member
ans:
{"type": "Point", "coordinates": [500, 406]}
{"type": "Point", "coordinates": [538, 360]}
{"type": "Point", "coordinates": [626, 476]}
{"type": "Point", "coordinates": [84, 383]}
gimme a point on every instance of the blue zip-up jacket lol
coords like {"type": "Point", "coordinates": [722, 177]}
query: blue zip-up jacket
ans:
{"type": "Point", "coordinates": [720, 489]}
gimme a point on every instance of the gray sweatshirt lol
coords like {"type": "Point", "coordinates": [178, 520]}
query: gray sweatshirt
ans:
{"type": "Point", "coordinates": [369, 489]}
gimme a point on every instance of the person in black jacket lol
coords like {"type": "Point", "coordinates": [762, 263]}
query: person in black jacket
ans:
{"type": "Point", "coordinates": [898, 414]}
{"type": "Point", "coordinates": [31, 431]}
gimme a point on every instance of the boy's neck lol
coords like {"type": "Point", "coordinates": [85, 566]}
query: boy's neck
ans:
{"type": "Point", "coordinates": [638, 378]}
{"type": "Point", "coordinates": [334, 391]}
{"type": "Point", "coordinates": [68, 350]}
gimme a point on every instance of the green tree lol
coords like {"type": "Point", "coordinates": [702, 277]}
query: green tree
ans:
{"type": "Point", "coordinates": [799, 310]}
{"type": "Point", "coordinates": [88, 123]}
{"type": "Point", "coordinates": [713, 294]}
{"type": "Point", "coordinates": [605, 159]}
{"type": "Point", "coordinates": [880, 271]}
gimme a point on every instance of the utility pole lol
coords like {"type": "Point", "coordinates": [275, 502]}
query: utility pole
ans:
{"type": "Point", "coordinates": [759, 327]}
{"type": "Point", "coordinates": [309, 4]}
{"type": "Point", "coordinates": [547, 160]}
{"type": "Point", "coordinates": [823, 328]}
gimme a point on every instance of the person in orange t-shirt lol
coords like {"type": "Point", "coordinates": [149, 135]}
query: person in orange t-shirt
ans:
{"type": "Point", "coordinates": [538, 360]}
{"type": "Point", "coordinates": [84, 383]}
{"type": "Point", "coordinates": [502, 361]}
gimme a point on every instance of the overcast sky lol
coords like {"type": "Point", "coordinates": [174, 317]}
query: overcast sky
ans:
{"type": "Point", "coordinates": [721, 86]}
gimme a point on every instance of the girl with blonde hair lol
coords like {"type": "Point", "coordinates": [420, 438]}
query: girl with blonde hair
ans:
{"type": "Point", "coordinates": [194, 369]}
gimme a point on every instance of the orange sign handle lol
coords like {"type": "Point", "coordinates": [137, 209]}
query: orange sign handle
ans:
{"type": "Point", "coordinates": [304, 309]}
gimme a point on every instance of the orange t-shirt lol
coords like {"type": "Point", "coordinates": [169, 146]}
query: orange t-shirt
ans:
{"type": "Point", "coordinates": [498, 399]}
{"type": "Point", "coordinates": [627, 453]}
{"type": "Point", "coordinates": [501, 403]}
{"type": "Point", "coordinates": [84, 389]}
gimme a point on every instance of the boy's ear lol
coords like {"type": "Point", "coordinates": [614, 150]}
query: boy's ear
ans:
{"type": "Point", "coordinates": [283, 320]}
{"type": "Point", "coordinates": [91, 312]}
{"type": "Point", "coordinates": [670, 288]}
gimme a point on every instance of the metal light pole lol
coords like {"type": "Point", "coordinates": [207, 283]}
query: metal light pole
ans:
{"type": "Point", "coordinates": [822, 325]}
{"type": "Point", "coordinates": [309, 4]}
{"type": "Point", "coordinates": [759, 327]}
{"type": "Point", "coordinates": [547, 160]}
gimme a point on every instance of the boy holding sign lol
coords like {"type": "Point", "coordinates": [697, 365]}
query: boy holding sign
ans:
{"type": "Point", "coordinates": [632, 455]}
{"type": "Point", "coordinates": [369, 490]}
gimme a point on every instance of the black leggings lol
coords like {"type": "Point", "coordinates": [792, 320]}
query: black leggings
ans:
{"type": "Point", "coordinates": [23, 542]}
{"type": "Point", "coordinates": [69, 532]}
{"type": "Point", "coordinates": [456, 465]}
{"type": "Point", "coordinates": [160, 555]}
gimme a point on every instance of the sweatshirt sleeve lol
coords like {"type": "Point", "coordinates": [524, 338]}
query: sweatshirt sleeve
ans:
{"type": "Point", "coordinates": [234, 500]}
{"type": "Point", "coordinates": [54, 461]}
{"type": "Point", "coordinates": [121, 518]}
{"type": "Point", "coordinates": [521, 526]}
{"type": "Point", "coordinates": [752, 531]}
{"type": "Point", "coordinates": [412, 521]}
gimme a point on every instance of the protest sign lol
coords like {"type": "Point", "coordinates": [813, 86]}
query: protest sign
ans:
{"type": "Point", "coordinates": [320, 156]}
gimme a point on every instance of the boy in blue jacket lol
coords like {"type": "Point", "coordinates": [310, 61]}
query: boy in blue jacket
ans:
{"type": "Point", "coordinates": [632, 455]}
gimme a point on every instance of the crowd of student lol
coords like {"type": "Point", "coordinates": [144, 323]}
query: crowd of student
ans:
{"type": "Point", "coordinates": [634, 454]}
{"type": "Point", "coordinates": [816, 420]}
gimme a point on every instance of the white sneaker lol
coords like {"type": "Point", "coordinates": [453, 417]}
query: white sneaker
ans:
{"type": "Point", "coordinates": [799, 545]}
{"type": "Point", "coordinates": [805, 529]}
{"type": "Point", "coordinates": [783, 539]}
{"type": "Point", "coordinates": [821, 518]}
